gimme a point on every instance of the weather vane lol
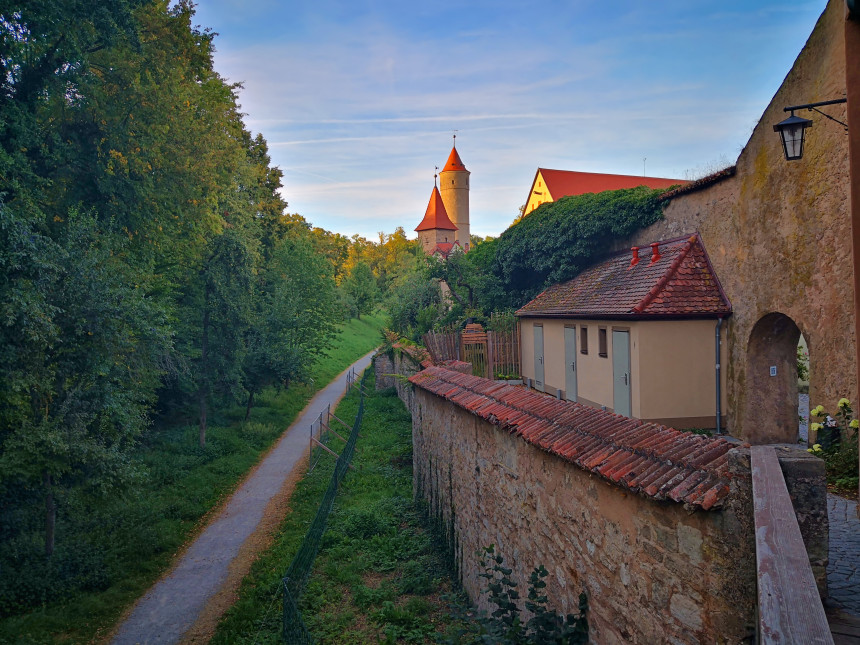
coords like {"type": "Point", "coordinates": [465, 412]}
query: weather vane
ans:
{"type": "Point", "coordinates": [455, 137]}
{"type": "Point", "coordinates": [435, 174]}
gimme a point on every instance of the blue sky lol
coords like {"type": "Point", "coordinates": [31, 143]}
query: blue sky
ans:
{"type": "Point", "coordinates": [358, 99]}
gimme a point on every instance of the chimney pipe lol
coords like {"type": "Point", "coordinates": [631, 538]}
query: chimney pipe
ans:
{"type": "Point", "coordinates": [635, 259]}
{"type": "Point", "coordinates": [655, 252]}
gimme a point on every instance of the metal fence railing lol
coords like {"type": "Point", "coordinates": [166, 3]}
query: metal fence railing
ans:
{"type": "Point", "coordinates": [293, 583]}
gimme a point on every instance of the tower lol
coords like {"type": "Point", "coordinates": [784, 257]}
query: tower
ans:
{"type": "Point", "coordinates": [436, 232]}
{"type": "Point", "coordinates": [454, 187]}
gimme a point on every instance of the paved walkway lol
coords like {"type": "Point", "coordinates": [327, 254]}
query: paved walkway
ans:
{"type": "Point", "coordinates": [172, 606]}
{"type": "Point", "coordinates": [843, 572]}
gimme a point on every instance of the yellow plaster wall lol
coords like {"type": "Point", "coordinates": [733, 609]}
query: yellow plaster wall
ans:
{"type": "Point", "coordinates": [536, 200]}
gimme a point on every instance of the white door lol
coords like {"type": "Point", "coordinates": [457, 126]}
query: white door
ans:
{"type": "Point", "coordinates": [539, 385]}
{"type": "Point", "coordinates": [621, 372]}
{"type": "Point", "coordinates": [570, 363]}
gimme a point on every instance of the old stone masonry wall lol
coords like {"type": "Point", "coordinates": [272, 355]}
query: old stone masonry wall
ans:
{"type": "Point", "coordinates": [653, 571]}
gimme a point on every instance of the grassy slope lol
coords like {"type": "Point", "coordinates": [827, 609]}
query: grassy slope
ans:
{"type": "Point", "coordinates": [131, 541]}
{"type": "Point", "coordinates": [377, 575]}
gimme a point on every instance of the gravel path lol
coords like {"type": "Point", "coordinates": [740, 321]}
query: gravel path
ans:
{"type": "Point", "coordinates": [172, 606]}
{"type": "Point", "coordinates": [843, 571]}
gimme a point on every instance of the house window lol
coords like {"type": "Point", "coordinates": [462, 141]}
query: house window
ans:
{"type": "Point", "coordinates": [583, 339]}
{"type": "Point", "coordinates": [601, 342]}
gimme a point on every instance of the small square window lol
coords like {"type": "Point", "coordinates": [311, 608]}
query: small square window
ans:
{"type": "Point", "coordinates": [601, 342]}
{"type": "Point", "coordinates": [583, 340]}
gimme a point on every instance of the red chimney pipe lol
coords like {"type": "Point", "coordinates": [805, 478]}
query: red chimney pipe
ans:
{"type": "Point", "coordinates": [635, 259]}
{"type": "Point", "coordinates": [655, 252]}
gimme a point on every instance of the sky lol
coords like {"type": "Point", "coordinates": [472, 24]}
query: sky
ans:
{"type": "Point", "coordinates": [359, 99]}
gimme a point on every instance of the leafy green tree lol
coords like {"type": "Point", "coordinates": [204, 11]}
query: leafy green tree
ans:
{"type": "Point", "coordinates": [217, 317]}
{"type": "Point", "coordinates": [294, 320]}
{"type": "Point", "coordinates": [360, 286]}
{"type": "Point", "coordinates": [81, 346]}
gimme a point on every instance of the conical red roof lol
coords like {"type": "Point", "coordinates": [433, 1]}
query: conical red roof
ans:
{"type": "Point", "coordinates": [454, 162]}
{"type": "Point", "coordinates": [436, 216]}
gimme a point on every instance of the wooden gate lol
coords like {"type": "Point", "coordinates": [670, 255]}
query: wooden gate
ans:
{"type": "Point", "coordinates": [493, 354]}
{"type": "Point", "coordinates": [473, 343]}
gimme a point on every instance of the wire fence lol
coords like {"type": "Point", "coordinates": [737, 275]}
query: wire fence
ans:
{"type": "Point", "coordinates": [293, 583]}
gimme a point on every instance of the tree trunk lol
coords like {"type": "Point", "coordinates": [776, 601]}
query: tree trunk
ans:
{"type": "Point", "coordinates": [204, 368]}
{"type": "Point", "coordinates": [202, 400]}
{"type": "Point", "coordinates": [248, 408]}
{"type": "Point", "coordinates": [50, 515]}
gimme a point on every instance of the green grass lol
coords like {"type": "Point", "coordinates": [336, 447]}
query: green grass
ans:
{"type": "Point", "coordinates": [109, 553]}
{"type": "Point", "coordinates": [378, 577]}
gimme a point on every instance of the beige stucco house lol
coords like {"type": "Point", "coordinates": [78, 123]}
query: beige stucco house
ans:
{"type": "Point", "coordinates": [635, 334]}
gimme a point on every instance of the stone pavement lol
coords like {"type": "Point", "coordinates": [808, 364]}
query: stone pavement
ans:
{"type": "Point", "coordinates": [171, 607]}
{"type": "Point", "coordinates": [843, 572]}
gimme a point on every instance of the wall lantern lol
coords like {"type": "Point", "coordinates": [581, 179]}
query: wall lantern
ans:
{"type": "Point", "coordinates": [792, 129]}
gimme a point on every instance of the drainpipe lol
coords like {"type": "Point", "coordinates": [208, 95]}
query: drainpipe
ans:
{"type": "Point", "coordinates": [719, 394]}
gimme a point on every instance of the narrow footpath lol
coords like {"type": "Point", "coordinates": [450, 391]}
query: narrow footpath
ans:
{"type": "Point", "coordinates": [168, 610]}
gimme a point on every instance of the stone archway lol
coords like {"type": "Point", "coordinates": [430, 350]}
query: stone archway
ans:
{"type": "Point", "coordinates": [771, 379]}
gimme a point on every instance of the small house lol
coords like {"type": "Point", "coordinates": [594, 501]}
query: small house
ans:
{"type": "Point", "coordinates": [638, 334]}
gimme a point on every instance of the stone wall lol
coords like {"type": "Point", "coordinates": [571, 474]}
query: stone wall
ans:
{"type": "Point", "coordinates": [654, 570]}
{"type": "Point", "coordinates": [778, 235]}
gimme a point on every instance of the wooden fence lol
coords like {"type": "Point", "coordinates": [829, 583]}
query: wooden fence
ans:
{"type": "Point", "coordinates": [493, 354]}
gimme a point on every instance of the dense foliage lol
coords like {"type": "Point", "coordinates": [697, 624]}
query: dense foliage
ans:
{"type": "Point", "coordinates": [552, 244]}
{"type": "Point", "coordinates": [150, 274]}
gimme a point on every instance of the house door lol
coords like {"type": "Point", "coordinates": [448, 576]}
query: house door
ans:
{"type": "Point", "coordinates": [621, 372]}
{"type": "Point", "coordinates": [539, 385]}
{"type": "Point", "coordinates": [570, 363]}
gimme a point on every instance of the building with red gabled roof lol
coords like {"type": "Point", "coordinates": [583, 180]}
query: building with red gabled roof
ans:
{"type": "Point", "coordinates": [634, 334]}
{"type": "Point", "coordinates": [551, 185]}
{"type": "Point", "coordinates": [436, 227]}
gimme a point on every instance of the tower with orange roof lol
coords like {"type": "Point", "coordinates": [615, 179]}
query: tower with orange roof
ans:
{"type": "Point", "coordinates": [436, 232]}
{"type": "Point", "coordinates": [454, 188]}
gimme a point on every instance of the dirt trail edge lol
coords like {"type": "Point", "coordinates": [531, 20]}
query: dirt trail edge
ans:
{"type": "Point", "coordinates": [172, 606]}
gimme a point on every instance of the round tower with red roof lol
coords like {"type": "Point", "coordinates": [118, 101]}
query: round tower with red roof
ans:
{"type": "Point", "coordinates": [454, 187]}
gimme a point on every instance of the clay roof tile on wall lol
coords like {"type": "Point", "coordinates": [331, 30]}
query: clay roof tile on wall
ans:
{"type": "Point", "coordinates": [680, 283]}
{"type": "Point", "coordinates": [646, 458]}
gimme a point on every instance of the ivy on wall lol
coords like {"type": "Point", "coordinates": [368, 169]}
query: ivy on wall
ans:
{"type": "Point", "coordinates": [560, 239]}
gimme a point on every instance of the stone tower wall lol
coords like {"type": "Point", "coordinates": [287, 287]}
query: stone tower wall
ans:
{"type": "Point", "coordinates": [454, 188]}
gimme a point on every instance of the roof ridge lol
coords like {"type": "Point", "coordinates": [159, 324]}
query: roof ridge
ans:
{"type": "Point", "coordinates": [661, 283]}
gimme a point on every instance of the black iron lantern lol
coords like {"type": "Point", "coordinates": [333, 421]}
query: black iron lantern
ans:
{"type": "Point", "coordinates": [791, 132]}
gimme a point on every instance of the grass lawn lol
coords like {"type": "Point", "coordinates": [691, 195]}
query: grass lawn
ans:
{"type": "Point", "coordinates": [378, 576]}
{"type": "Point", "coordinates": [109, 553]}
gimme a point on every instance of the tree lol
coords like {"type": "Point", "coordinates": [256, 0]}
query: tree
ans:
{"type": "Point", "coordinates": [81, 347]}
{"type": "Point", "coordinates": [294, 320]}
{"type": "Point", "coordinates": [360, 286]}
{"type": "Point", "coordinates": [219, 317]}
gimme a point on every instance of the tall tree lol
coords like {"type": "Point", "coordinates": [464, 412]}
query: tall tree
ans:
{"type": "Point", "coordinates": [360, 287]}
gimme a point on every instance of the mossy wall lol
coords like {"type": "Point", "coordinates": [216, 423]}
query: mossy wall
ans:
{"type": "Point", "coordinates": [778, 234]}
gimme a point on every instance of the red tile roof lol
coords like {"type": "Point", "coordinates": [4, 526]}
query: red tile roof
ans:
{"type": "Point", "coordinates": [646, 458]}
{"type": "Point", "coordinates": [444, 248]}
{"type": "Point", "coordinates": [562, 183]}
{"type": "Point", "coordinates": [454, 163]}
{"type": "Point", "coordinates": [680, 284]}
{"type": "Point", "coordinates": [699, 184]}
{"type": "Point", "coordinates": [436, 217]}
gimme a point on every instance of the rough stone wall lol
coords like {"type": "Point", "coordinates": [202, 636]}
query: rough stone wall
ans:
{"type": "Point", "coordinates": [392, 369]}
{"type": "Point", "coordinates": [778, 235]}
{"type": "Point", "coordinates": [653, 571]}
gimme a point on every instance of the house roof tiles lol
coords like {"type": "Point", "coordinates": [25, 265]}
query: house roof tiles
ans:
{"type": "Point", "coordinates": [561, 183]}
{"type": "Point", "coordinates": [646, 458]}
{"type": "Point", "coordinates": [680, 283]}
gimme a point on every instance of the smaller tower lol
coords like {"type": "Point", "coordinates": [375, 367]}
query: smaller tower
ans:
{"type": "Point", "coordinates": [436, 232]}
{"type": "Point", "coordinates": [454, 186]}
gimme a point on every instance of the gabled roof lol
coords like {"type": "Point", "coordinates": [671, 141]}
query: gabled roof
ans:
{"type": "Point", "coordinates": [680, 284]}
{"type": "Point", "coordinates": [444, 248]}
{"type": "Point", "coordinates": [454, 162]}
{"type": "Point", "coordinates": [646, 458]}
{"type": "Point", "coordinates": [562, 183]}
{"type": "Point", "coordinates": [436, 217]}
